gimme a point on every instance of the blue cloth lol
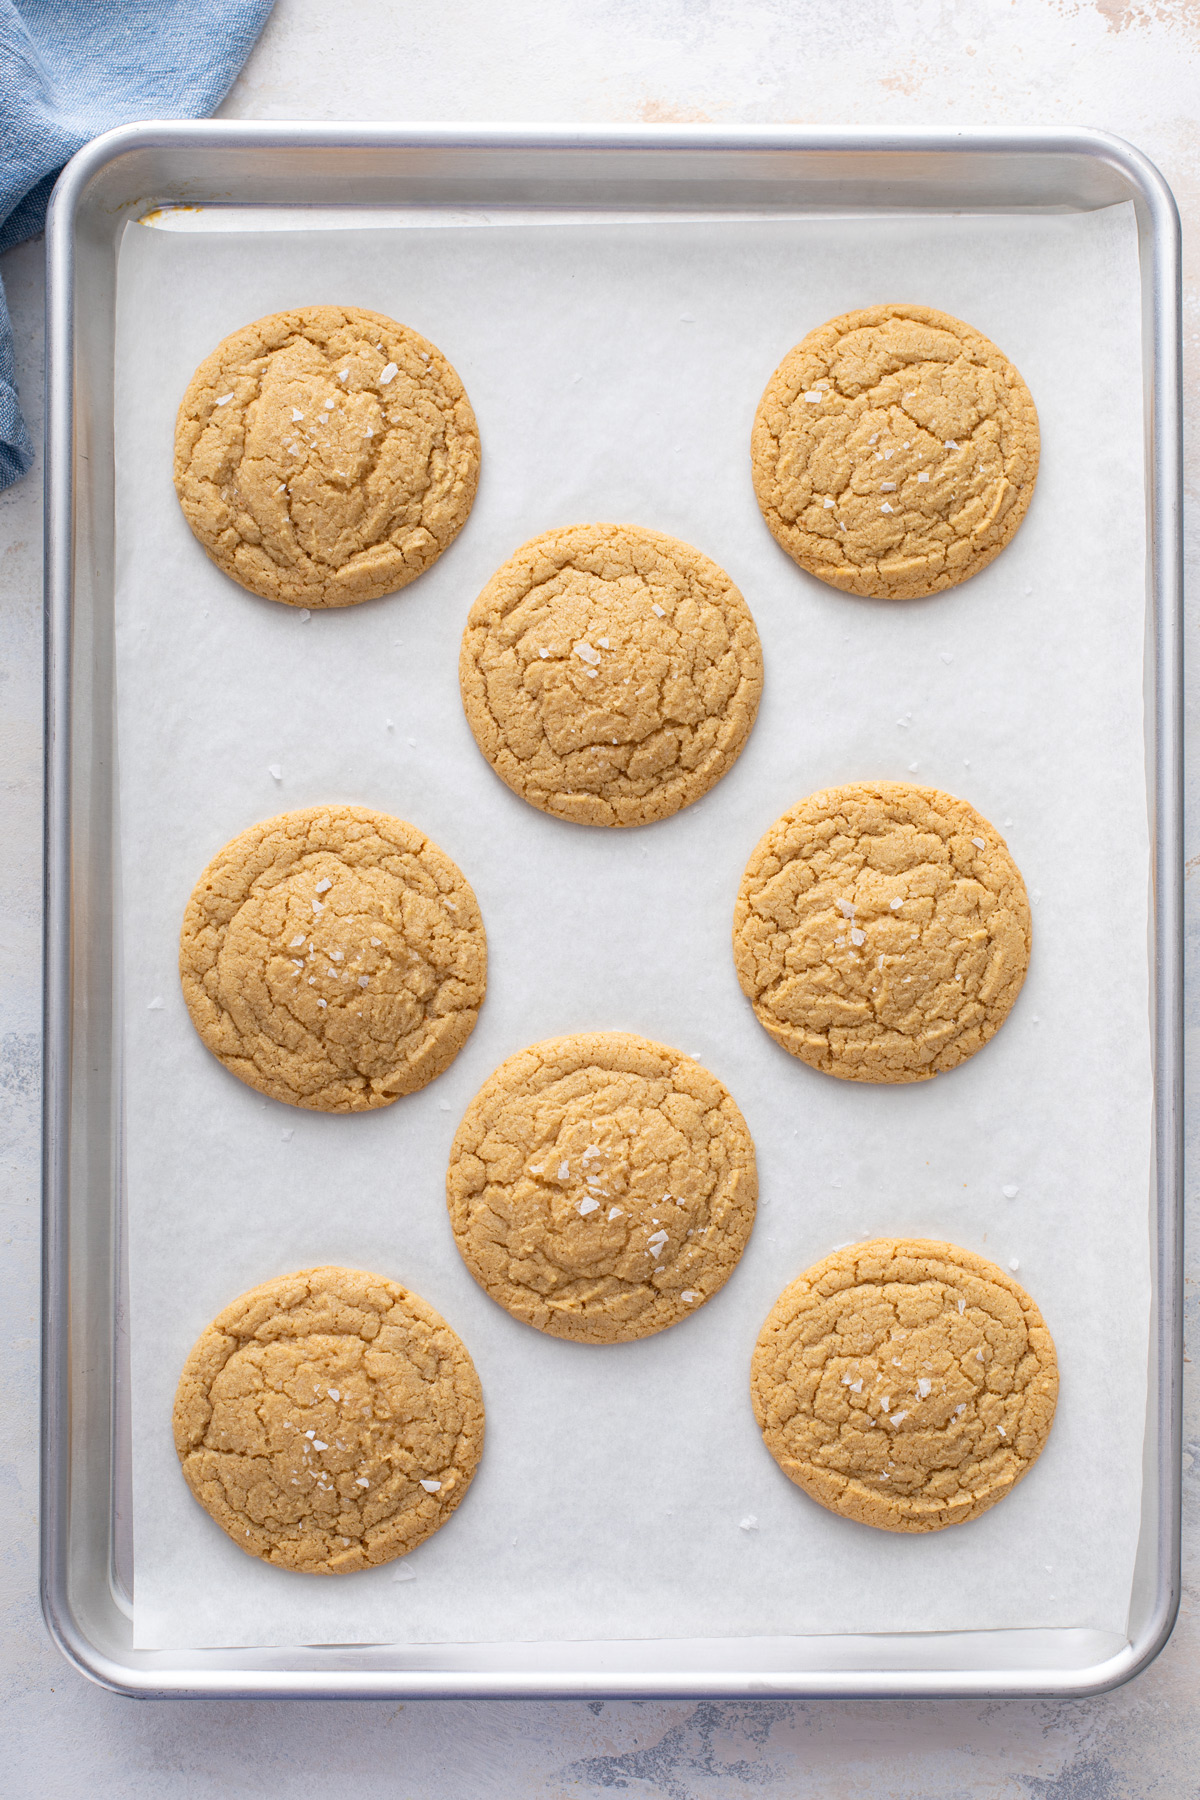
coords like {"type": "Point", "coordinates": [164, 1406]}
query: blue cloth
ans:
{"type": "Point", "coordinates": [70, 69]}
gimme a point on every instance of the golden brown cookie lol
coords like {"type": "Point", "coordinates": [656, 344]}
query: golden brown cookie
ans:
{"type": "Point", "coordinates": [894, 452]}
{"type": "Point", "coordinates": [325, 455]}
{"type": "Point", "coordinates": [882, 931]}
{"type": "Point", "coordinates": [333, 958]}
{"type": "Point", "coordinates": [610, 674]}
{"type": "Point", "coordinates": [904, 1383]}
{"type": "Point", "coordinates": [601, 1187]}
{"type": "Point", "coordinates": [329, 1421]}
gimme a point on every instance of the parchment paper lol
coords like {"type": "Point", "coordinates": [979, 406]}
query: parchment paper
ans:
{"type": "Point", "coordinates": [615, 369]}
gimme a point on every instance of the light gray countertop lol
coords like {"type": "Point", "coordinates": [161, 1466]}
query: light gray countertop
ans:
{"type": "Point", "coordinates": [1128, 66]}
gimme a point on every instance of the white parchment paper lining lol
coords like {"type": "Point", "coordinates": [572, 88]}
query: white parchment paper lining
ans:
{"type": "Point", "coordinates": [615, 369]}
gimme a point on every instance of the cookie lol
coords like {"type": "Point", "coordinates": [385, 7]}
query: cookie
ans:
{"type": "Point", "coordinates": [333, 958]}
{"type": "Point", "coordinates": [325, 455]}
{"type": "Point", "coordinates": [894, 452]}
{"type": "Point", "coordinates": [601, 1187]}
{"type": "Point", "coordinates": [329, 1421]}
{"type": "Point", "coordinates": [905, 1383]}
{"type": "Point", "coordinates": [610, 674]}
{"type": "Point", "coordinates": [882, 931]}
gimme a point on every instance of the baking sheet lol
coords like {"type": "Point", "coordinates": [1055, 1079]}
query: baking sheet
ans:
{"type": "Point", "coordinates": [615, 369]}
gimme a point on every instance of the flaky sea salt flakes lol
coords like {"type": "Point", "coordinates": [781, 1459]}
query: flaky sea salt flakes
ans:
{"type": "Point", "coordinates": [857, 936]}
{"type": "Point", "coordinates": [749, 1523]}
{"type": "Point", "coordinates": [896, 903]}
{"type": "Point", "coordinates": [376, 942]}
{"type": "Point", "coordinates": [950, 444]}
{"type": "Point", "coordinates": [924, 1387]}
{"type": "Point", "coordinates": [543, 653]}
{"type": "Point", "coordinates": [616, 1212]}
{"type": "Point", "coordinates": [323, 1004]}
{"type": "Point", "coordinates": [225, 399]}
{"type": "Point", "coordinates": [978, 843]}
{"type": "Point", "coordinates": [887, 487]}
{"type": "Point", "coordinates": [342, 374]}
{"type": "Point", "coordinates": [846, 908]}
{"type": "Point", "coordinates": [689, 1294]}
{"type": "Point", "coordinates": [924, 475]}
{"type": "Point", "coordinates": [585, 652]}
{"type": "Point", "coordinates": [814, 396]}
{"type": "Point", "coordinates": [403, 1573]}
{"type": "Point", "coordinates": [305, 615]}
{"type": "Point", "coordinates": [288, 1133]}
{"type": "Point", "coordinates": [658, 610]}
{"type": "Point", "coordinates": [587, 1206]}
{"type": "Point", "coordinates": [387, 373]}
{"type": "Point", "coordinates": [297, 415]}
{"type": "Point", "coordinates": [275, 771]}
{"type": "Point", "coordinates": [896, 1417]}
{"type": "Point", "coordinates": [827, 503]}
{"type": "Point", "coordinates": [1013, 1264]}
{"type": "Point", "coordinates": [564, 1169]}
{"type": "Point", "coordinates": [656, 1243]}
{"type": "Point", "coordinates": [1010, 1191]}
{"type": "Point", "coordinates": [296, 941]}
{"type": "Point", "coordinates": [361, 1481]}
{"type": "Point", "coordinates": [323, 885]}
{"type": "Point", "coordinates": [962, 1305]}
{"type": "Point", "coordinates": [430, 1486]}
{"type": "Point", "coordinates": [885, 507]}
{"type": "Point", "coordinates": [363, 980]}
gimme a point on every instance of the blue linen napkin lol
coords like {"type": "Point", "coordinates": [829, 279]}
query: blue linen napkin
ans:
{"type": "Point", "coordinates": [70, 69]}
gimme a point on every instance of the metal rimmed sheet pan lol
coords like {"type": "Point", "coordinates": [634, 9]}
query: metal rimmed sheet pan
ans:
{"type": "Point", "coordinates": [684, 171]}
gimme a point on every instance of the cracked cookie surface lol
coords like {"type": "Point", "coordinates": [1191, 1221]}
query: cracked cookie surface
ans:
{"type": "Point", "coordinates": [610, 674]}
{"type": "Point", "coordinates": [882, 931]}
{"type": "Point", "coordinates": [905, 1383]}
{"type": "Point", "coordinates": [601, 1187]}
{"type": "Point", "coordinates": [333, 958]}
{"type": "Point", "coordinates": [325, 455]}
{"type": "Point", "coordinates": [329, 1421]}
{"type": "Point", "coordinates": [894, 452]}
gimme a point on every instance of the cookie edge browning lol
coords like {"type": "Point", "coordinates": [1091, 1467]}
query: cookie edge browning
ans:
{"type": "Point", "coordinates": [741, 911]}
{"type": "Point", "coordinates": [843, 1495]}
{"type": "Point", "coordinates": [241, 342]}
{"type": "Point", "coordinates": [209, 1355]}
{"type": "Point", "coordinates": [647, 1050]}
{"type": "Point", "coordinates": [473, 688]}
{"type": "Point", "coordinates": [780, 382]}
{"type": "Point", "coordinates": [196, 999]}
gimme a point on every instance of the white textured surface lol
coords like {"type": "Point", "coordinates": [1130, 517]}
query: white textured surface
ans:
{"type": "Point", "coordinates": [1131, 68]}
